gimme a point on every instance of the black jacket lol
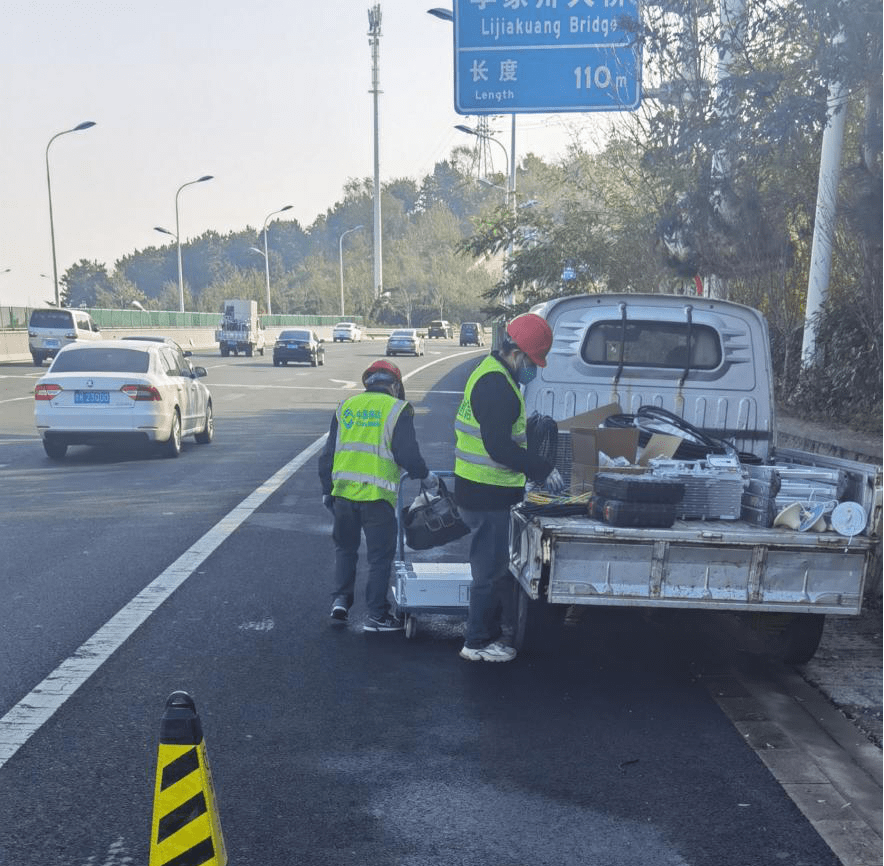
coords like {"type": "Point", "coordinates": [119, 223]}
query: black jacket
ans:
{"type": "Point", "coordinates": [405, 449]}
{"type": "Point", "coordinates": [496, 408]}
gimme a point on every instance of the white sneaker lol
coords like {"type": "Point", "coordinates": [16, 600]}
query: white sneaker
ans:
{"type": "Point", "coordinates": [493, 652]}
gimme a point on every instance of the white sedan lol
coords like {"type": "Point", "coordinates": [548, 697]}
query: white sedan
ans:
{"type": "Point", "coordinates": [111, 391]}
{"type": "Point", "coordinates": [347, 331]}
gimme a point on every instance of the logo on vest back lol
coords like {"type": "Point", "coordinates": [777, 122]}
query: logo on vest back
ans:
{"type": "Point", "coordinates": [361, 417]}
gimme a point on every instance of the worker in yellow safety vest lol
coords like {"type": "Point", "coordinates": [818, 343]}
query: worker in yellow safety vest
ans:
{"type": "Point", "coordinates": [492, 464]}
{"type": "Point", "coordinates": [371, 445]}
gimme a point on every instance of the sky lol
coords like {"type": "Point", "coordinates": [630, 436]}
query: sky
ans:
{"type": "Point", "coordinates": [272, 98]}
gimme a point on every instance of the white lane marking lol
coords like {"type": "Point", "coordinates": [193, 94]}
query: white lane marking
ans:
{"type": "Point", "coordinates": [37, 707]}
{"type": "Point", "coordinates": [14, 399]}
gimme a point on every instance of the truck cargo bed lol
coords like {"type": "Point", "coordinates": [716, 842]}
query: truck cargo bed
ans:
{"type": "Point", "coordinates": [732, 565]}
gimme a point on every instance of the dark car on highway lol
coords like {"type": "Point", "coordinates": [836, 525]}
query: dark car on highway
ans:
{"type": "Point", "coordinates": [298, 346]}
{"type": "Point", "coordinates": [472, 334]}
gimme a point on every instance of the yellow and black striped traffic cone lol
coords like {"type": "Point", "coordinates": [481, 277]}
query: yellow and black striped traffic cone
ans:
{"type": "Point", "coordinates": [186, 827]}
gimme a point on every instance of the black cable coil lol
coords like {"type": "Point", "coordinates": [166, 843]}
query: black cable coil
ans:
{"type": "Point", "coordinates": [695, 445]}
{"type": "Point", "coordinates": [543, 436]}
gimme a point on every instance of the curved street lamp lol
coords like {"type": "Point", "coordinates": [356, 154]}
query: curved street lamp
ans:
{"type": "Point", "coordinates": [266, 257]}
{"type": "Point", "coordinates": [341, 261]}
{"type": "Point", "coordinates": [86, 124]}
{"type": "Point", "coordinates": [177, 236]}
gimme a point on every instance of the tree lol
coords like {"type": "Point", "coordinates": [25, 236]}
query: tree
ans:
{"type": "Point", "coordinates": [85, 282]}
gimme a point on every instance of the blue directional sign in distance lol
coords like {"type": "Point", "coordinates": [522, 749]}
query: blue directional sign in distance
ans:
{"type": "Point", "coordinates": [522, 56]}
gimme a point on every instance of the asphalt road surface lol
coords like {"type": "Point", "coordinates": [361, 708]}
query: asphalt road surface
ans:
{"type": "Point", "coordinates": [127, 576]}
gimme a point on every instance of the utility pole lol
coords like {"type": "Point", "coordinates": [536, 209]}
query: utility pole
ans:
{"type": "Point", "coordinates": [732, 18]}
{"type": "Point", "coordinates": [374, 39]}
{"type": "Point", "coordinates": [826, 211]}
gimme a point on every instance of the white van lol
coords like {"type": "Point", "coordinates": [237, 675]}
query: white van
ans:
{"type": "Point", "coordinates": [52, 328]}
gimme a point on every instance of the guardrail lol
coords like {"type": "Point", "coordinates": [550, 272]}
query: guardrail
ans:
{"type": "Point", "coordinates": [16, 318]}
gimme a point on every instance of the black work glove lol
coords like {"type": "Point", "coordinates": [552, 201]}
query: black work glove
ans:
{"type": "Point", "coordinates": [329, 502]}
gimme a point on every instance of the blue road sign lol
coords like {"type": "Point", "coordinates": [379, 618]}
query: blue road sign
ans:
{"type": "Point", "coordinates": [522, 56]}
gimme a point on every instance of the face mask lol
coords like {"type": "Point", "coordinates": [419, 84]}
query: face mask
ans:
{"type": "Point", "coordinates": [526, 372]}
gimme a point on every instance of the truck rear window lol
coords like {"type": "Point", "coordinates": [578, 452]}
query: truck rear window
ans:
{"type": "Point", "coordinates": [652, 344]}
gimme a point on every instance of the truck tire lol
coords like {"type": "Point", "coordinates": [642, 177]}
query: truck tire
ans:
{"type": "Point", "coordinates": [224, 351]}
{"type": "Point", "coordinates": [249, 352]}
{"type": "Point", "coordinates": [792, 638]}
{"type": "Point", "coordinates": [38, 359]}
{"type": "Point", "coordinates": [801, 637]}
{"type": "Point", "coordinates": [537, 629]}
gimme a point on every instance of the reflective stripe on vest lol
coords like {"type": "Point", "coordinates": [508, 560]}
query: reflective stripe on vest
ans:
{"type": "Point", "coordinates": [471, 460]}
{"type": "Point", "coordinates": [364, 469]}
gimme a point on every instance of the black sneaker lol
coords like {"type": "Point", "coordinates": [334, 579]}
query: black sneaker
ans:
{"type": "Point", "coordinates": [339, 610]}
{"type": "Point", "coordinates": [387, 622]}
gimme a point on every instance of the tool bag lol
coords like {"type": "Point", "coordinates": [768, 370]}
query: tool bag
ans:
{"type": "Point", "coordinates": [432, 521]}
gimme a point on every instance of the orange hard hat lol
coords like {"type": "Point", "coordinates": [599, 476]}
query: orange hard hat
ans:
{"type": "Point", "coordinates": [532, 335]}
{"type": "Point", "coordinates": [387, 368]}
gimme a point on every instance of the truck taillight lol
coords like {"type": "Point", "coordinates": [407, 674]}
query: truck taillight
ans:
{"type": "Point", "coordinates": [47, 392]}
{"type": "Point", "coordinates": [141, 392]}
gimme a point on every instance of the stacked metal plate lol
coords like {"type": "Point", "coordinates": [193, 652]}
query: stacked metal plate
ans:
{"type": "Point", "coordinates": [713, 487]}
{"type": "Point", "coordinates": [759, 497]}
{"type": "Point", "coordinates": [808, 484]}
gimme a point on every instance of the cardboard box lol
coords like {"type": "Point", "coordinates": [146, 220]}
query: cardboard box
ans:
{"type": "Point", "coordinates": [588, 439]}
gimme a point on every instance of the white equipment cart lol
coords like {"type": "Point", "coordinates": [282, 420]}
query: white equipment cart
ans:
{"type": "Point", "coordinates": [440, 588]}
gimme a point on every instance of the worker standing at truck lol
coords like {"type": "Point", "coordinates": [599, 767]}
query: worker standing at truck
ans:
{"type": "Point", "coordinates": [491, 466]}
{"type": "Point", "coordinates": [371, 444]}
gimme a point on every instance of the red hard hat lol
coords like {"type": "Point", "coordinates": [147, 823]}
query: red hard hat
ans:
{"type": "Point", "coordinates": [382, 366]}
{"type": "Point", "coordinates": [532, 335]}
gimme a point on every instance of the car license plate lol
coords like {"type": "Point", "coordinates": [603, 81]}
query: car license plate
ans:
{"type": "Point", "coordinates": [91, 396]}
{"type": "Point", "coordinates": [50, 344]}
{"type": "Point", "coordinates": [294, 345]}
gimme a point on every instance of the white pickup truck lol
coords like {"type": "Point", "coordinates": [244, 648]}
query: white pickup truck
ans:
{"type": "Point", "coordinates": [707, 362]}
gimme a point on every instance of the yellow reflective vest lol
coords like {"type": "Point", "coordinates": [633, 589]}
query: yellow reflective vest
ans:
{"type": "Point", "coordinates": [471, 460]}
{"type": "Point", "coordinates": [363, 468]}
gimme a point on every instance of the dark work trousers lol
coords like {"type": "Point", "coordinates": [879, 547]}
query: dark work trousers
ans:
{"type": "Point", "coordinates": [377, 519]}
{"type": "Point", "coordinates": [491, 593]}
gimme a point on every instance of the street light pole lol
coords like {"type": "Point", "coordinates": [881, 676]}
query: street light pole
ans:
{"type": "Point", "coordinates": [341, 261]}
{"type": "Point", "coordinates": [86, 124]}
{"type": "Point", "coordinates": [266, 257]}
{"type": "Point", "coordinates": [178, 238]}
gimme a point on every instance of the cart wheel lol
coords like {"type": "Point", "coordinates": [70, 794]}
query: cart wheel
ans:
{"type": "Point", "coordinates": [410, 626]}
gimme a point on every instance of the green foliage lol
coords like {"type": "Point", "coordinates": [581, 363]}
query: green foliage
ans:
{"type": "Point", "coordinates": [845, 381]}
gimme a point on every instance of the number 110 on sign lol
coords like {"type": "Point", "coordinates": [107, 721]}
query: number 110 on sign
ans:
{"type": "Point", "coordinates": [599, 78]}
